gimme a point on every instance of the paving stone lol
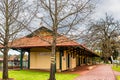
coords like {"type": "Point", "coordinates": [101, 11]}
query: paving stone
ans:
{"type": "Point", "coordinates": [102, 72]}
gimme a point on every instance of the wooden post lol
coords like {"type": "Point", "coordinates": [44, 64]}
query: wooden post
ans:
{"type": "Point", "coordinates": [79, 60]}
{"type": "Point", "coordinates": [28, 59]}
{"type": "Point", "coordinates": [21, 59]}
{"type": "Point", "coordinates": [60, 57]}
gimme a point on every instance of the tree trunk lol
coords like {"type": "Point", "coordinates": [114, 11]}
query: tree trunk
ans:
{"type": "Point", "coordinates": [5, 64]}
{"type": "Point", "coordinates": [6, 40]}
{"type": "Point", "coordinates": [53, 61]}
{"type": "Point", "coordinates": [106, 60]}
{"type": "Point", "coordinates": [52, 72]}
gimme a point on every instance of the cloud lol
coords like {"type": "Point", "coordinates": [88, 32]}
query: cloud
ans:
{"type": "Point", "coordinates": [112, 7]}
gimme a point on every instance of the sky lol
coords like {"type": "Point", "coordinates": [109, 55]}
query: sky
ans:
{"type": "Point", "coordinates": [111, 7]}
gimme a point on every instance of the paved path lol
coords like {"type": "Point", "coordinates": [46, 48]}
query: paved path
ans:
{"type": "Point", "coordinates": [102, 72]}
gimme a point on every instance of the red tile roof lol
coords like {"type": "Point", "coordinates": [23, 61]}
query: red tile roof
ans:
{"type": "Point", "coordinates": [37, 41]}
{"type": "Point", "coordinates": [89, 50]}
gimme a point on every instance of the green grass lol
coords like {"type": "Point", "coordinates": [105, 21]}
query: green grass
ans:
{"type": "Point", "coordinates": [117, 68]}
{"type": "Point", "coordinates": [118, 77]}
{"type": "Point", "coordinates": [36, 75]}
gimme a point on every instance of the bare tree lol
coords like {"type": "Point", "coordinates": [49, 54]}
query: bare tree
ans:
{"type": "Point", "coordinates": [14, 17]}
{"type": "Point", "coordinates": [103, 34]}
{"type": "Point", "coordinates": [63, 16]}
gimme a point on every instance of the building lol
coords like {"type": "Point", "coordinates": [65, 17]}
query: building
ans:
{"type": "Point", "coordinates": [69, 53]}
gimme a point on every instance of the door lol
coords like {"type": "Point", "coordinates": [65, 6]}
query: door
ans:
{"type": "Point", "coordinates": [68, 60]}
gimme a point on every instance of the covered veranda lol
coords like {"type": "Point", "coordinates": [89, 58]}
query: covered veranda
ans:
{"type": "Point", "coordinates": [82, 55]}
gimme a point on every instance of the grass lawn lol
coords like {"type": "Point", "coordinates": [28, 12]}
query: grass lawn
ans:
{"type": "Point", "coordinates": [36, 75]}
{"type": "Point", "coordinates": [117, 69]}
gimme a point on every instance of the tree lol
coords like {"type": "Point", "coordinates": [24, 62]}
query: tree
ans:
{"type": "Point", "coordinates": [103, 35]}
{"type": "Point", "coordinates": [14, 17]}
{"type": "Point", "coordinates": [63, 16]}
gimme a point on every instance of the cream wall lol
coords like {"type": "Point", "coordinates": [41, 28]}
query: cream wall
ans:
{"type": "Point", "coordinates": [64, 66]}
{"type": "Point", "coordinates": [33, 60]}
{"type": "Point", "coordinates": [40, 58]}
{"type": "Point", "coordinates": [73, 62]}
{"type": "Point", "coordinates": [57, 60]}
{"type": "Point", "coordinates": [39, 61]}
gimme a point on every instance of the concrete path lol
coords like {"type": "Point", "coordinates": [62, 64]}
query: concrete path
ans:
{"type": "Point", "coordinates": [102, 72]}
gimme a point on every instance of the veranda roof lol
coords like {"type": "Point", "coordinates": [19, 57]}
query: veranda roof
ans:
{"type": "Point", "coordinates": [37, 41]}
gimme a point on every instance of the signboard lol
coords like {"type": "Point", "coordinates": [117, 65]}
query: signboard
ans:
{"type": "Point", "coordinates": [44, 53]}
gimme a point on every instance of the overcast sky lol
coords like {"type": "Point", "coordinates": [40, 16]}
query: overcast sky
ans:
{"type": "Point", "coordinates": [112, 7]}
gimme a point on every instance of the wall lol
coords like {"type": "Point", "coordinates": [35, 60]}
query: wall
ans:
{"type": "Point", "coordinates": [40, 58]}
{"type": "Point", "coordinates": [64, 66]}
{"type": "Point", "coordinates": [57, 60]}
{"type": "Point", "coordinates": [73, 63]}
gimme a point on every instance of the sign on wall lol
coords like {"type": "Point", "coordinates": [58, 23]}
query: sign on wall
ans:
{"type": "Point", "coordinates": [44, 53]}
